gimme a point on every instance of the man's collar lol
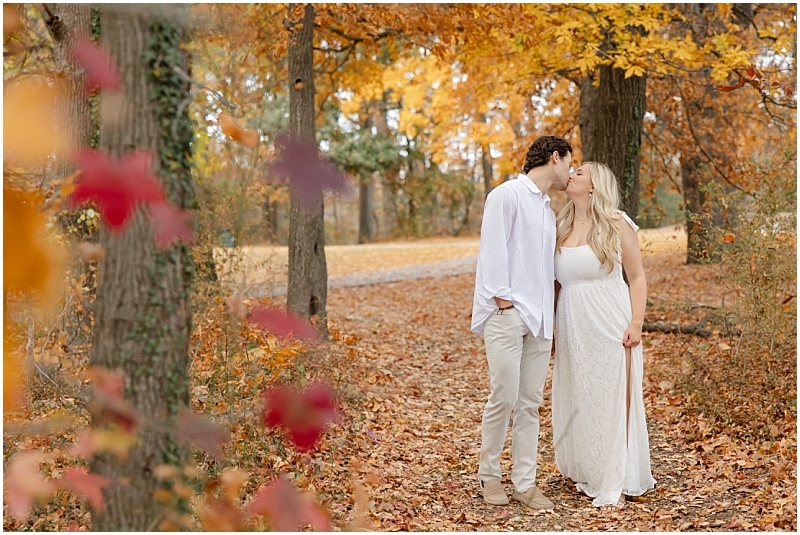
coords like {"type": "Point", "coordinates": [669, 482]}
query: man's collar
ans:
{"type": "Point", "coordinates": [532, 185]}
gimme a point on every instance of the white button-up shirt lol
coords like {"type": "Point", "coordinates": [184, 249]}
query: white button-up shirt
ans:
{"type": "Point", "coordinates": [515, 259]}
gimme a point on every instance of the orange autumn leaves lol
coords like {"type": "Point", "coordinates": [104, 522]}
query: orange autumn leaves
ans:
{"type": "Point", "coordinates": [28, 267]}
{"type": "Point", "coordinates": [246, 136]}
{"type": "Point", "coordinates": [34, 127]}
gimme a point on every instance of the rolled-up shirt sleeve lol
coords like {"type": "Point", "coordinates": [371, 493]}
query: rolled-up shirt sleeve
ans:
{"type": "Point", "coordinates": [493, 253]}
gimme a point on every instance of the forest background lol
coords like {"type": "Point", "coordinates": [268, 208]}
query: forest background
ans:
{"type": "Point", "coordinates": [421, 109]}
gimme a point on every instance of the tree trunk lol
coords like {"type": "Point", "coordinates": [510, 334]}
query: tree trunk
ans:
{"type": "Point", "coordinates": [366, 185]}
{"type": "Point", "coordinates": [143, 317]}
{"type": "Point", "coordinates": [703, 213]}
{"type": "Point", "coordinates": [307, 292]}
{"type": "Point", "coordinates": [68, 22]}
{"type": "Point", "coordinates": [389, 179]}
{"type": "Point", "coordinates": [488, 172]}
{"type": "Point", "coordinates": [611, 119]}
{"type": "Point", "coordinates": [365, 210]}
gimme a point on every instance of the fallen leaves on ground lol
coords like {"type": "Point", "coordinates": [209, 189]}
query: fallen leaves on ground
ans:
{"type": "Point", "coordinates": [411, 382]}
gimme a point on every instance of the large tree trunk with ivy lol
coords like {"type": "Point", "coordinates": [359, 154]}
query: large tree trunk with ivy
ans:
{"type": "Point", "coordinates": [611, 119]}
{"type": "Point", "coordinates": [143, 317]}
{"type": "Point", "coordinates": [307, 292]}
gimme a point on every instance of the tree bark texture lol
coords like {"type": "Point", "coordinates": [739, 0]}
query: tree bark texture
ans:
{"type": "Point", "coordinates": [611, 119]}
{"type": "Point", "coordinates": [488, 171]}
{"type": "Point", "coordinates": [68, 22]}
{"type": "Point", "coordinates": [307, 292]}
{"type": "Point", "coordinates": [390, 178]}
{"type": "Point", "coordinates": [143, 317]}
{"type": "Point", "coordinates": [366, 187]}
{"type": "Point", "coordinates": [366, 192]}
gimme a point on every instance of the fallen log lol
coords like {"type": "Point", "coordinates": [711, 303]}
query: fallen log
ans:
{"type": "Point", "coordinates": [672, 328]}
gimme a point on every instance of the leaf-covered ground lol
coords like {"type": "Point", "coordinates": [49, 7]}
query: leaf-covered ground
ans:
{"type": "Point", "coordinates": [426, 388]}
{"type": "Point", "coordinates": [412, 382]}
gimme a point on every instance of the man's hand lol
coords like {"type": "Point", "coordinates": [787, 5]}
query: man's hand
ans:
{"type": "Point", "coordinates": [502, 303]}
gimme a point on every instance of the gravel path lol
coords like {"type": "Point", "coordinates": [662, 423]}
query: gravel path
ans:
{"type": "Point", "coordinates": [447, 268]}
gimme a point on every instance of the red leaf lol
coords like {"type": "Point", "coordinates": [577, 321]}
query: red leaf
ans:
{"type": "Point", "coordinates": [109, 382]}
{"type": "Point", "coordinates": [79, 481]}
{"type": "Point", "coordinates": [729, 88]}
{"type": "Point", "coordinates": [304, 414]}
{"type": "Point", "coordinates": [282, 323]}
{"type": "Point", "coordinates": [101, 71]}
{"type": "Point", "coordinates": [171, 224]}
{"type": "Point", "coordinates": [299, 162]}
{"type": "Point", "coordinates": [205, 434]}
{"type": "Point", "coordinates": [108, 400]}
{"type": "Point", "coordinates": [287, 509]}
{"type": "Point", "coordinates": [24, 483]}
{"type": "Point", "coordinates": [116, 186]}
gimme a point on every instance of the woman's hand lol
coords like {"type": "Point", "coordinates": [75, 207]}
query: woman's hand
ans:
{"type": "Point", "coordinates": [632, 336]}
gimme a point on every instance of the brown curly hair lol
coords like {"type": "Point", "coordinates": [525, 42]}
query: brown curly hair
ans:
{"type": "Point", "coordinates": [539, 153]}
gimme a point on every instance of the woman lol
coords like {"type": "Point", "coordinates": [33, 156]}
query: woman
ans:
{"type": "Point", "coordinates": [599, 426]}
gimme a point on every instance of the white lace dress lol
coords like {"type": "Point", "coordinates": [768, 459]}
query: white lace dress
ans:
{"type": "Point", "coordinates": [594, 309]}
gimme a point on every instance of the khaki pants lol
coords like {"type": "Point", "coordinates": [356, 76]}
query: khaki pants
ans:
{"type": "Point", "coordinates": [518, 363]}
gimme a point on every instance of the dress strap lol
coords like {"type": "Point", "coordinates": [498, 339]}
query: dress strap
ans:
{"type": "Point", "coordinates": [629, 220]}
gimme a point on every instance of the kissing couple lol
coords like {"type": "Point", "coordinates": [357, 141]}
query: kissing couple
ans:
{"type": "Point", "coordinates": [538, 274]}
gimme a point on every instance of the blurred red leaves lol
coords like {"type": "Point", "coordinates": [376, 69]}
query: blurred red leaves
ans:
{"type": "Point", "coordinates": [299, 162]}
{"type": "Point", "coordinates": [303, 413]}
{"type": "Point", "coordinates": [24, 483]}
{"type": "Point", "coordinates": [287, 509]}
{"type": "Point", "coordinates": [108, 400]}
{"type": "Point", "coordinates": [79, 481]}
{"type": "Point", "coordinates": [171, 224]}
{"type": "Point", "coordinates": [203, 433]}
{"type": "Point", "coordinates": [117, 186]}
{"type": "Point", "coordinates": [282, 324]}
{"type": "Point", "coordinates": [101, 71]}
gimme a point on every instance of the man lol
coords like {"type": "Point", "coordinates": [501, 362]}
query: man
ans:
{"type": "Point", "coordinates": [513, 310]}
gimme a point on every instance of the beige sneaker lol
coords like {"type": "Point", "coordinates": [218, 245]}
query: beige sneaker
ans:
{"type": "Point", "coordinates": [533, 498]}
{"type": "Point", "coordinates": [493, 492]}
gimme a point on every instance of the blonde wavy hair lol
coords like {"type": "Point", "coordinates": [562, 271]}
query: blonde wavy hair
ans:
{"type": "Point", "coordinates": [604, 235]}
